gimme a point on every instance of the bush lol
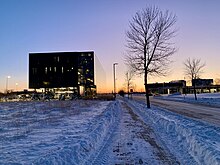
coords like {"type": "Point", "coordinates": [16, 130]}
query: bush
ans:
{"type": "Point", "coordinates": [121, 93]}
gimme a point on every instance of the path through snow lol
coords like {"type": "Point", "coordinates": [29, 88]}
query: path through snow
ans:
{"type": "Point", "coordinates": [134, 142]}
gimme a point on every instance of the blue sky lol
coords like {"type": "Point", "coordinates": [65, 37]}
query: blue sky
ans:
{"type": "Point", "coordinates": [100, 25]}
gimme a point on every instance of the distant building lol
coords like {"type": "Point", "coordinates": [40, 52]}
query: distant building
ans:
{"type": "Point", "coordinates": [202, 86]}
{"type": "Point", "coordinates": [167, 88]}
{"type": "Point", "coordinates": [67, 71]}
{"type": "Point", "coordinates": [202, 82]}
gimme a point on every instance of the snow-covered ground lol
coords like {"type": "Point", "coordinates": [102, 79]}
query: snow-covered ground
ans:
{"type": "Point", "coordinates": [102, 132]}
{"type": "Point", "coordinates": [53, 132]}
{"type": "Point", "coordinates": [212, 99]}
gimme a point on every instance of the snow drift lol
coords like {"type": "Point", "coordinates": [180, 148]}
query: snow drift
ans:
{"type": "Point", "coordinates": [54, 132]}
{"type": "Point", "coordinates": [184, 137]}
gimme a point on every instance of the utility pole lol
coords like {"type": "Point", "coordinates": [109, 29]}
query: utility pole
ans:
{"type": "Point", "coordinates": [114, 78]}
{"type": "Point", "coordinates": [8, 77]}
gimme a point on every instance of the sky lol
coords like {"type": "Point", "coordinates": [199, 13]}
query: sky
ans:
{"type": "Point", "coordinates": [100, 25]}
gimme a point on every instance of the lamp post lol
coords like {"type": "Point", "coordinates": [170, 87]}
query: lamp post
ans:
{"type": "Point", "coordinates": [16, 86]}
{"type": "Point", "coordinates": [114, 78]}
{"type": "Point", "coordinates": [8, 77]}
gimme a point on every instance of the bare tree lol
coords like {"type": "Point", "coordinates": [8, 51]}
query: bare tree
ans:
{"type": "Point", "coordinates": [193, 69]}
{"type": "Point", "coordinates": [129, 75]}
{"type": "Point", "coordinates": [149, 43]}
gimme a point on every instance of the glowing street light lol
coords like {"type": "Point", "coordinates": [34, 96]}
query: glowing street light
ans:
{"type": "Point", "coordinates": [16, 86]}
{"type": "Point", "coordinates": [8, 77]}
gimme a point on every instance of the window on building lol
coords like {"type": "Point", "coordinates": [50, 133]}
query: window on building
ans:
{"type": "Point", "coordinates": [34, 71]}
{"type": "Point", "coordinates": [56, 58]}
{"type": "Point", "coordinates": [45, 70]}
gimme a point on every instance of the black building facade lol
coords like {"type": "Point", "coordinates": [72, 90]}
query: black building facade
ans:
{"type": "Point", "coordinates": [168, 88]}
{"type": "Point", "coordinates": [202, 82]}
{"type": "Point", "coordinates": [72, 70]}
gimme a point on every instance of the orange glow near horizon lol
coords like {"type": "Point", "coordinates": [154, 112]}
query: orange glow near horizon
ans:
{"type": "Point", "coordinates": [105, 85]}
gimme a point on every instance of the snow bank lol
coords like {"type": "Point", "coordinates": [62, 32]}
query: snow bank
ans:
{"type": "Point", "coordinates": [203, 98]}
{"type": "Point", "coordinates": [191, 141]}
{"type": "Point", "coordinates": [68, 132]}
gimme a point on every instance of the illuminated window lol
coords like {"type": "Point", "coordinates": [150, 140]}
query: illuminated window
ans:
{"type": "Point", "coordinates": [45, 70]}
{"type": "Point", "coordinates": [55, 69]}
{"type": "Point", "coordinates": [57, 59]}
{"type": "Point", "coordinates": [62, 69]}
{"type": "Point", "coordinates": [46, 83]}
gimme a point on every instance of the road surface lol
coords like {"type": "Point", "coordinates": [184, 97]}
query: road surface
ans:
{"type": "Point", "coordinates": [196, 111]}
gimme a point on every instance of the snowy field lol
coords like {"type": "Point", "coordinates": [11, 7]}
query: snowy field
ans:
{"type": "Point", "coordinates": [212, 99]}
{"type": "Point", "coordinates": [102, 132]}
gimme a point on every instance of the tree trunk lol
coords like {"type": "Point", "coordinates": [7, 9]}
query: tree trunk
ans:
{"type": "Point", "coordinates": [128, 89]}
{"type": "Point", "coordinates": [194, 89]}
{"type": "Point", "coordinates": [146, 91]}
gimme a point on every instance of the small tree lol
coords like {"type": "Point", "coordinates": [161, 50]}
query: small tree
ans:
{"type": "Point", "coordinates": [193, 69]}
{"type": "Point", "coordinates": [129, 75]}
{"type": "Point", "coordinates": [148, 43]}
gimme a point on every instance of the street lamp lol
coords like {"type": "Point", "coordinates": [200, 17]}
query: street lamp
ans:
{"type": "Point", "coordinates": [8, 77]}
{"type": "Point", "coordinates": [16, 86]}
{"type": "Point", "coordinates": [114, 77]}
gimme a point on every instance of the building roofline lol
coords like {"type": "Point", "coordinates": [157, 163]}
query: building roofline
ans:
{"type": "Point", "coordinates": [87, 51]}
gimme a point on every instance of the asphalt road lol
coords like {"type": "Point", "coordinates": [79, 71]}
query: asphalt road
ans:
{"type": "Point", "coordinates": [196, 111]}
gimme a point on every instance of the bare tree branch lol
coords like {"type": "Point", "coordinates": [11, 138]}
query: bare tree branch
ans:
{"type": "Point", "coordinates": [193, 69]}
{"type": "Point", "coordinates": [129, 75]}
{"type": "Point", "coordinates": [148, 43]}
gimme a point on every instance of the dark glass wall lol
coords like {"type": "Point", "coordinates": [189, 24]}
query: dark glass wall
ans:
{"type": "Point", "coordinates": [61, 69]}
